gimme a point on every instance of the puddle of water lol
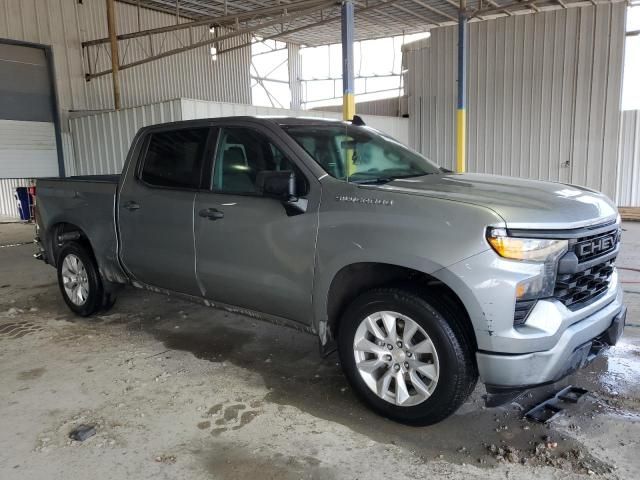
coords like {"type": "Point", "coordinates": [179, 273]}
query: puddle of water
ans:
{"type": "Point", "coordinates": [615, 377]}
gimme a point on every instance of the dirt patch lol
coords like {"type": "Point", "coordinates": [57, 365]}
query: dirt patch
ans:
{"type": "Point", "coordinates": [31, 374]}
{"type": "Point", "coordinates": [234, 461]}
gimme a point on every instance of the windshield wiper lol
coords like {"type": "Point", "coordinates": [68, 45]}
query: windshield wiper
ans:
{"type": "Point", "coordinates": [373, 181]}
{"type": "Point", "coordinates": [390, 178]}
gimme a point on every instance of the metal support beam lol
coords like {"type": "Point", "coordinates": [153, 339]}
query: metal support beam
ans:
{"type": "Point", "coordinates": [434, 10]}
{"type": "Point", "coordinates": [461, 113]}
{"type": "Point", "coordinates": [504, 8]}
{"type": "Point", "coordinates": [253, 15]}
{"type": "Point", "coordinates": [111, 27]}
{"type": "Point", "coordinates": [294, 69]}
{"type": "Point", "coordinates": [209, 41]}
{"type": "Point", "coordinates": [348, 90]}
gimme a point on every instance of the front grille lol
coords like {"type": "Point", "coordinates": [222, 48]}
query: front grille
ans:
{"type": "Point", "coordinates": [576, 290]}
{"type": "Point", "coordinates": [593, 246]}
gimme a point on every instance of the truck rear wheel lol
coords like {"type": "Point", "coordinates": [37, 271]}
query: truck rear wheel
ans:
{"type": "Point", "coordinates": [79, 279]}
{"type": "Point", "coordinates": [406, 356]}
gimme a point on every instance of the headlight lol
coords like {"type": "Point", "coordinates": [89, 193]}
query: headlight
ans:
{"type": "Point", "coordinates": [527, 249]}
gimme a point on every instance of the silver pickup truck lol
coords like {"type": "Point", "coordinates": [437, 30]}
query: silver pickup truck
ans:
{"type": "Point", "coordinates": [422, 279]}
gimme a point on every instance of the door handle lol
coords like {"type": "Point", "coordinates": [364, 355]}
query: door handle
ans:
{"type": "Point", "coordinates": [211, 213]}
{"type": "Point", "coordinates": [131, 205]}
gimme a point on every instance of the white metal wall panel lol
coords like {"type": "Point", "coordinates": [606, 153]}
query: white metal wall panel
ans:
{"type": "Point", "coordinates": [8, 204]}
{"type": "Point", "coordinates": [27, 149]}
{"type": "Point", "coordinates": [69, 154]}
{"type": "Point", "coordinates": [101, 141]}
{"type": "Point", "coordinates": [543, 95]}
{"type": "Point", "coordinates": [64, 24]}
{"type": "Point", "coordinates": [394, 126]}
{"type": "Point", "coordinates": [628, 181]}
{"type": "Point", "coordinates": [189, 74]}
{"type": "Point", "coordinates": [389, 107]}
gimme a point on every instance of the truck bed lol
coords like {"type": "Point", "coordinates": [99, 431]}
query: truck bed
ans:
{"type": "Point", "coordinates": [111, 178]}
{"type": "Point", "coordinates": [88, 204]}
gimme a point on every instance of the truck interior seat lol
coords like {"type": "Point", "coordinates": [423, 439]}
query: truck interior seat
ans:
{"type": "Point", "coordinates": [235, 172]}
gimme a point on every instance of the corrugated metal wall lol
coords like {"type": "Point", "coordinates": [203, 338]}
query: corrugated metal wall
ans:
{"type": "Point", "coordinates": [389, 107]}
{"type": "Point", "coordinates": [628, 192]}
{"type": "Point", "coordinates": [64, 24]}
{"type": "Point", "coordinates": [8, 204]}
{"type": "Point", "coordinates": [544, 95]}
{"type": "Point", "coordinates": [189, 74]}
{"type": "Point", "coordinates": [396, 127]}
{"type": "Point", "coordinates": [101, 141]}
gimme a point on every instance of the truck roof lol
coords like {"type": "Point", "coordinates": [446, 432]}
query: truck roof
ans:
{"type": "Point", "coordinates": [279, 120]}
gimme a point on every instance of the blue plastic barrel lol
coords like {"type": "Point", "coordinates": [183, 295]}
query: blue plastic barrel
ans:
{"type": "Point", "coordinates": [24, 203]}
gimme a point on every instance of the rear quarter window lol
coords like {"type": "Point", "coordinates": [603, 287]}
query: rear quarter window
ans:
{"type": "Point", "coordinates": [174, 158]}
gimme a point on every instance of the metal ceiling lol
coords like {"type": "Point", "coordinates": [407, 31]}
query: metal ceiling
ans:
{"type": "Point", "coordinates": [212, 23]}
{"type": "Point", "coordinates": [374, 18]}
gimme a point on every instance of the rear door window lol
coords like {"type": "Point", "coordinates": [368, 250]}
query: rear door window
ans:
{"type": "Point", "coordinates": [174, 158]}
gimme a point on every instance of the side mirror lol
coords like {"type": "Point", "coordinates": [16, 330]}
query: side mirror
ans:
{"type": "Point", "coordinates": [276, 184]}
{"type": "Point", "coordinates": [281, 185]}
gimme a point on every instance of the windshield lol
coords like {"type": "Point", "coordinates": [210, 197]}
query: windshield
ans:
{"type": "Point", "coordinates": [359, 154]}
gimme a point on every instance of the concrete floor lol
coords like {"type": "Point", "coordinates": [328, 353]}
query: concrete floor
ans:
{"type": "Point", "coordinates": [183, 392]}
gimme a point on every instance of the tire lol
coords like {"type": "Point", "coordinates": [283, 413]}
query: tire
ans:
{"type": "Point", "coordinates": [77, 267]}
{"type": "Point", "coordinates": [437, 376]}
{"type": "Point", "coordinates": [108, 301]}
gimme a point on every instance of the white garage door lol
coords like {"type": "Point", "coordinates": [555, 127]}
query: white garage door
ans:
{"type": "Point", "coordinates": [28, 149]}
{"type": "Point", "coordinates": [27, 129]}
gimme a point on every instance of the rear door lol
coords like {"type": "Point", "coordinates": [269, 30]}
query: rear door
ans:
{"type": "Point", "coordinates": [252, 253]}
{"type": "Point", "coordinates": [155, 208]}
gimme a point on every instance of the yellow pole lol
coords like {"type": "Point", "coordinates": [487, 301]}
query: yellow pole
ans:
{"type": "Point", "coordinates": [461, 113]}
{"type": "Point", "coordinates": [461, 140]}
{"type": "Point", "coordinates": [348, 106]}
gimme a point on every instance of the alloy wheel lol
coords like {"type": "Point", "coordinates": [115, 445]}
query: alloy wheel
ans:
{"type": "Point", "coordinates": [396, 358]}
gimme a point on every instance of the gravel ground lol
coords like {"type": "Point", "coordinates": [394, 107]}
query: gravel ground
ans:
{"type": "Point", "coordinates": [177, 390]}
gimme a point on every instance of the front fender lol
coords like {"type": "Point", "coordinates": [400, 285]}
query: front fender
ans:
{"type": "Point", "coordinates": [363, 224]}
{"type": "Point", "coordinates": [326, 272]}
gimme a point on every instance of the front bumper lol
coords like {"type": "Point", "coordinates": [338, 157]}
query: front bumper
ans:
{"type": "Point", "coordinates": [576, 347]}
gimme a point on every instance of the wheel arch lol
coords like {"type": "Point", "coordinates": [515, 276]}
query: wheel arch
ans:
{"type": "Point", "coordinates": [356, 278]}
{"type": "Point", "coordinates": [61, 233]}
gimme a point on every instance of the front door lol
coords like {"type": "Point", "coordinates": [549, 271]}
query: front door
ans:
{"type": "Point", "coordinates": [250, 252]}
{"type": "Point", "coordinates": [155, 209]}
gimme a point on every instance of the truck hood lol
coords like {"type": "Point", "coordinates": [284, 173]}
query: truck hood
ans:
{"type": "Point", "coordinates": [521, 203]}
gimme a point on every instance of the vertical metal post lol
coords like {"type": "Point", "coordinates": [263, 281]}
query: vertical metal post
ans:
{"type": "Point", "coordinates": [461, 112]}
{"type": "Point", "coordinates": [294, 67]}
{"type": "Point", "coordinates": [115, 62]}
{"type": "Point", "coordinates": [348, 100]}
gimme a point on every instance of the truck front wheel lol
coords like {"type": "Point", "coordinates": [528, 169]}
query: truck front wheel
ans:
{"type": "Point", "coordinates": [406, 356]}
{"type": "Point", "coordinates": [79, 279]}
